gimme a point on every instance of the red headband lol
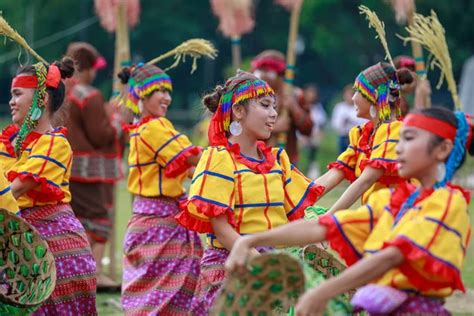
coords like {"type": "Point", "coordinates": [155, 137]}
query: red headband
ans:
{"type": "Point", "coordinates": [270, 63]}
{"type": "Point", "coordinates": [432, 125]}
{"type": "Point", "coordinates": [31, 82]}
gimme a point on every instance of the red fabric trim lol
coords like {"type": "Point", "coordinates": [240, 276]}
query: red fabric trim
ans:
{"type": "Point", "coordinates": [27, 82]}
{"type": "Point", "coordinates": [145, 119]}
{"type": "Point", "coordinates": [8, 133]}
{"type": "Point", "coordinates": [81, 102]}
{"type": "Point", "coordinates": [45, 192]}
{"type": "Point", "coordinates": [53, 78]}
{"type": "Point", "coordinates": [315, 192]}
{"type": "Point", "coordinates": [260, 167]}
{"type": "Point", "coordinates": [365, 139]}
{"type": "Point", "coordinates": [431, 124]}
{"type": "Point", "coordinates": [348, 173]}
{"type": "Point", "coordinates": [431, 266]}
{"type": "Point", "coordinates": [190, 222]}
{"type": "Point", "coordinates": [336, 240]}
{"type": "Point", "coordinates": [389, 166]}
{"type": "Point", "coordinates": [179, 164]}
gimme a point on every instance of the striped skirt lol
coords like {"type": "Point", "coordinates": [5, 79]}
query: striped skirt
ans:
{"type": "Point", "coordinates": [75, 289]}
{"type": "Point", "coordinates": [161, 262]}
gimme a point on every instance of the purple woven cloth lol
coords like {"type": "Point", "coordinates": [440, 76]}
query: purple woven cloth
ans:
{"type": "Point", "coordinates": [161, 262]}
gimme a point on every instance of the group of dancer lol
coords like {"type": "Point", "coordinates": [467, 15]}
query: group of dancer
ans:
{"type": "Point", "coordinates": [404, 246]}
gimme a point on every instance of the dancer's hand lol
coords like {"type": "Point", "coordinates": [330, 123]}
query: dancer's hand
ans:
{"type": "Point", "coordinates": [312, 303]}
{"type": "Point", "coordinates": [241, 252]}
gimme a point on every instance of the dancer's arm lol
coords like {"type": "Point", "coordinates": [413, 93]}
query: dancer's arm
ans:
{"type": "Point", "coordinates": [368, 177]}
{"type": "Point", "coordinates": [366, 270]}
{"type": "Point", "coordinates": [300, 232]}
{"type": "Point", "coordinates": [330, 179]}
{"type": "Point", "coordinates": [226, 234]}
{"type": "Point", "coordinates": [194, 159]}
{"type": "Point", "coordinates": [20, 187]}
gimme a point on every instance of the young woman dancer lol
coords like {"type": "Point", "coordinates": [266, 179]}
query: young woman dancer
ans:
{"type": "Point", "coordinates": [369, 160]}
{"type": "Point", "coordinates": [240, 185]}
{"type": "Point", "coordinates": [161, 263]}
{"type": "Point", "coordinates": [38, 165]}
{"type": "Point", "coordinates": [407, 245]}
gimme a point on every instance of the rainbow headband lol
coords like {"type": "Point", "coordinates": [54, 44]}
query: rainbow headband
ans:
{"type": "Point", "coordinates": [140, 89]}
{"type": "Point", "coordinates": [378, 95]}
{"type": "Point", "coordinates": [220, 122]}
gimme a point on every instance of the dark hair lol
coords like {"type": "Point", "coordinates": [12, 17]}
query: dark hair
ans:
{"type": "Point", "coordinates": [56, 95]}
{"type": "Point", "coordinates": [124, 75]}
{"type": "Point", "coordinates": [84, 55]}
{"type": "Point", "coordinates": [448, 117]}
{"type": "Point", "coordinates": [211, 100]}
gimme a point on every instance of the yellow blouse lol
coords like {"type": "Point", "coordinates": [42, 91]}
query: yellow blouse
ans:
{"type": "Point", "coordinates": [46, 159]}
{"type": "Point", "coordinates": [157, 158]}
{"type": "Point", "coordinates": [378, 152]}
{"type": "Point", "coordinates": [432, 234]}
{"type": "Point", "coordinates": [7, 201]}
{"type": "Point", "coordinates": [255, 195]}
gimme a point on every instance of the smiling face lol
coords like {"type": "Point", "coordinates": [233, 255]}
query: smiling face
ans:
{"type": "Point", "coordinates": [156, 104]}
{"type": "Point", "coordinates": [20, 102]}
{"type": "Point", "coordinates": [362, 105]}
{"type": "Point", "coordinates": [257, 117]}
{"type": "Point", "coordinates": [419, 153]}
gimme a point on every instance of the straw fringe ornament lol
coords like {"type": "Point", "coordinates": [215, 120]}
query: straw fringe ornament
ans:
{"type": "Point", "coordinates": [194, 48]}
{"type": "Point", "coordinates": [429, 32]}
{"type": "Point", "coordinates": [379, 27]}
{"type": "Point", "coordinates": [8, 31]}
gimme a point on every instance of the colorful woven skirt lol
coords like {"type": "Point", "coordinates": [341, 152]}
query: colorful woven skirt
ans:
{"type": "Point", "coordinates": [75, 289]}
{"type": "Point", "coordinates": [161, 262]}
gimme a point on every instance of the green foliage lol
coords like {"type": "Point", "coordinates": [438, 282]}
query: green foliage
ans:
{"type": "Point", "coordinates": [338, 43]}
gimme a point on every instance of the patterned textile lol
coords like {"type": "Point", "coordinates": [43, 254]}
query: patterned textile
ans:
{"type": "Point", "coordinates": [46, 159]}
{"type": "Point", "coordinates": [382, 300]}
{"type": "Point", "coordinates": [161, 263]}
{"type": "Point", "coordinates": [157, 159]}
{"type": "Point", "coordinates": [75, 289]}
{"type": "Point", "coordinates": [377, 152]}
{"type": "Point", "coordinates": [255, 195]}
{"type": "Point", "coordinates": [7, 201]}
{"type": "Point", "coordinates": [143, 81]}
{"type": "Point", "coordinates": [210, 280]}
{"type": "Point", "coordinates": [432, 234]}
{"type": "Point", "coordinates": [376, 84]}
{"type": "Point", "coordinates": [104, 168]}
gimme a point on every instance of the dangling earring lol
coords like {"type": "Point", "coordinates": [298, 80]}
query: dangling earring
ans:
{"type": "Point", "coordinates": [235, 128]}
{"type": "Point", "coordinates": [373, 111]}
{"type": "Point", "coordinates": [441, 172]}
{"type": "Point", "coordinates": [140, 106]}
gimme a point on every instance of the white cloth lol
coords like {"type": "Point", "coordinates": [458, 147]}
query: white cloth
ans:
{"type": "Point", "coordinates": [466, 86]}
{"type": "Point", "coordinates": [344, 117]}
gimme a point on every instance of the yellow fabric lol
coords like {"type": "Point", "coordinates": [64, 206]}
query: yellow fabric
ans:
{"type": "Point", "coordinates": [383, 151]}
{"type": "Point", "coordinates": [256, 202]}
{"type": "Point", "coordinates": [153, 145]}
{"type": "Point", "coordinates": [438, 225]}
{"type": "Point", "coordinates": [48, 161]}
{"type": "Point", "coordinates": [7, 201]}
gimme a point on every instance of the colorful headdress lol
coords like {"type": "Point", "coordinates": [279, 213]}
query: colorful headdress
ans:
{"type": "Point", "coordinates": [270, 60]}
{"type": "Point", "coordinates": [245, 90]}
{"type": "Point", "coordinates": [460, 136]}
{"type": "Point", "coordinates": [378, 84]}
{"type": "Point", "coordinates": [145, 79]}
{"type": "Point", "coordinates": [44, 77]}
